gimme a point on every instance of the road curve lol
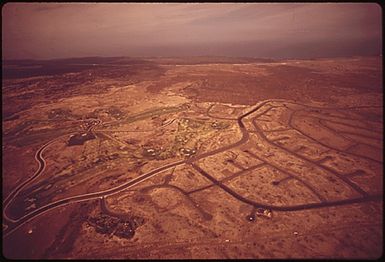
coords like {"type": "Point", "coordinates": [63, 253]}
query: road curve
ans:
{"type": "Point", "coordinates": [376, 197]}
{"type": "Point", "coordinates": [42, 164]}
{"type": "Point", "coordinates": [85, 197]}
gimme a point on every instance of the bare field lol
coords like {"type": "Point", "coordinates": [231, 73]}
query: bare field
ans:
{"type": "Point", "coordinates": [194, 158]}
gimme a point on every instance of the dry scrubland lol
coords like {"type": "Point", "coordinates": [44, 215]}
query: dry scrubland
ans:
{"type": "Point", "coordinates": [193, 158]}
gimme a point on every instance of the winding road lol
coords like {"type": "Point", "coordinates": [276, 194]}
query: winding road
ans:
{"type": "Point", "coordinates": [11, 224]}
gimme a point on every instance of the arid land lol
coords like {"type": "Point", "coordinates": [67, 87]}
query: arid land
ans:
{"type": "Point", "coordinates": [200, 157]}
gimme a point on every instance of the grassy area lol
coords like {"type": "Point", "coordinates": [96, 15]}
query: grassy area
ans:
{"type": "Point", "coordinates": [190, 134]}
{"type": "Point", "coordinates": [61, 113]}
{"type": "Point", "coordinates": [41, 136]}
{"type": "Point", "coordinates": [113, 111]}
{"type": "Point", "coordinates": [21, 127]}
{"type": "Point", "coordinates": [155, 112]}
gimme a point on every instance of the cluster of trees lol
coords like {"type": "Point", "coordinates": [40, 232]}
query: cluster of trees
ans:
{"type": "Point", "coordinates": [106, 224]}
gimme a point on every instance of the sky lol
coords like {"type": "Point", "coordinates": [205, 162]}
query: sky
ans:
{"type": "Point", "coordinates": [266, 30]}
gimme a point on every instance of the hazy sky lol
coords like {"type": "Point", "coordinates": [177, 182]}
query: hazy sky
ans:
{"type": "Point", "coordinates": [56, 30]}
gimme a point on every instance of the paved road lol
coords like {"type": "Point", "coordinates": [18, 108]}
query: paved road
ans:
{"type": "Point", "coordinates": [85, 197]}
{"type": "Point", "coordinates": [15, 223]}
{"type": "Point", "coordinates": [42, 164]}
{"type": "Point", "coordinates": [286, 208]}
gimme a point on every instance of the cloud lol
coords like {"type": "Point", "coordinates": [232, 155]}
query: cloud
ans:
{"type": "Point", "coordinates": [45, 30]}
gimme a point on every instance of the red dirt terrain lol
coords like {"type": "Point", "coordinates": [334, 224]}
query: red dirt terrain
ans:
{"type": "Point", "coordinates": [200, 157]}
